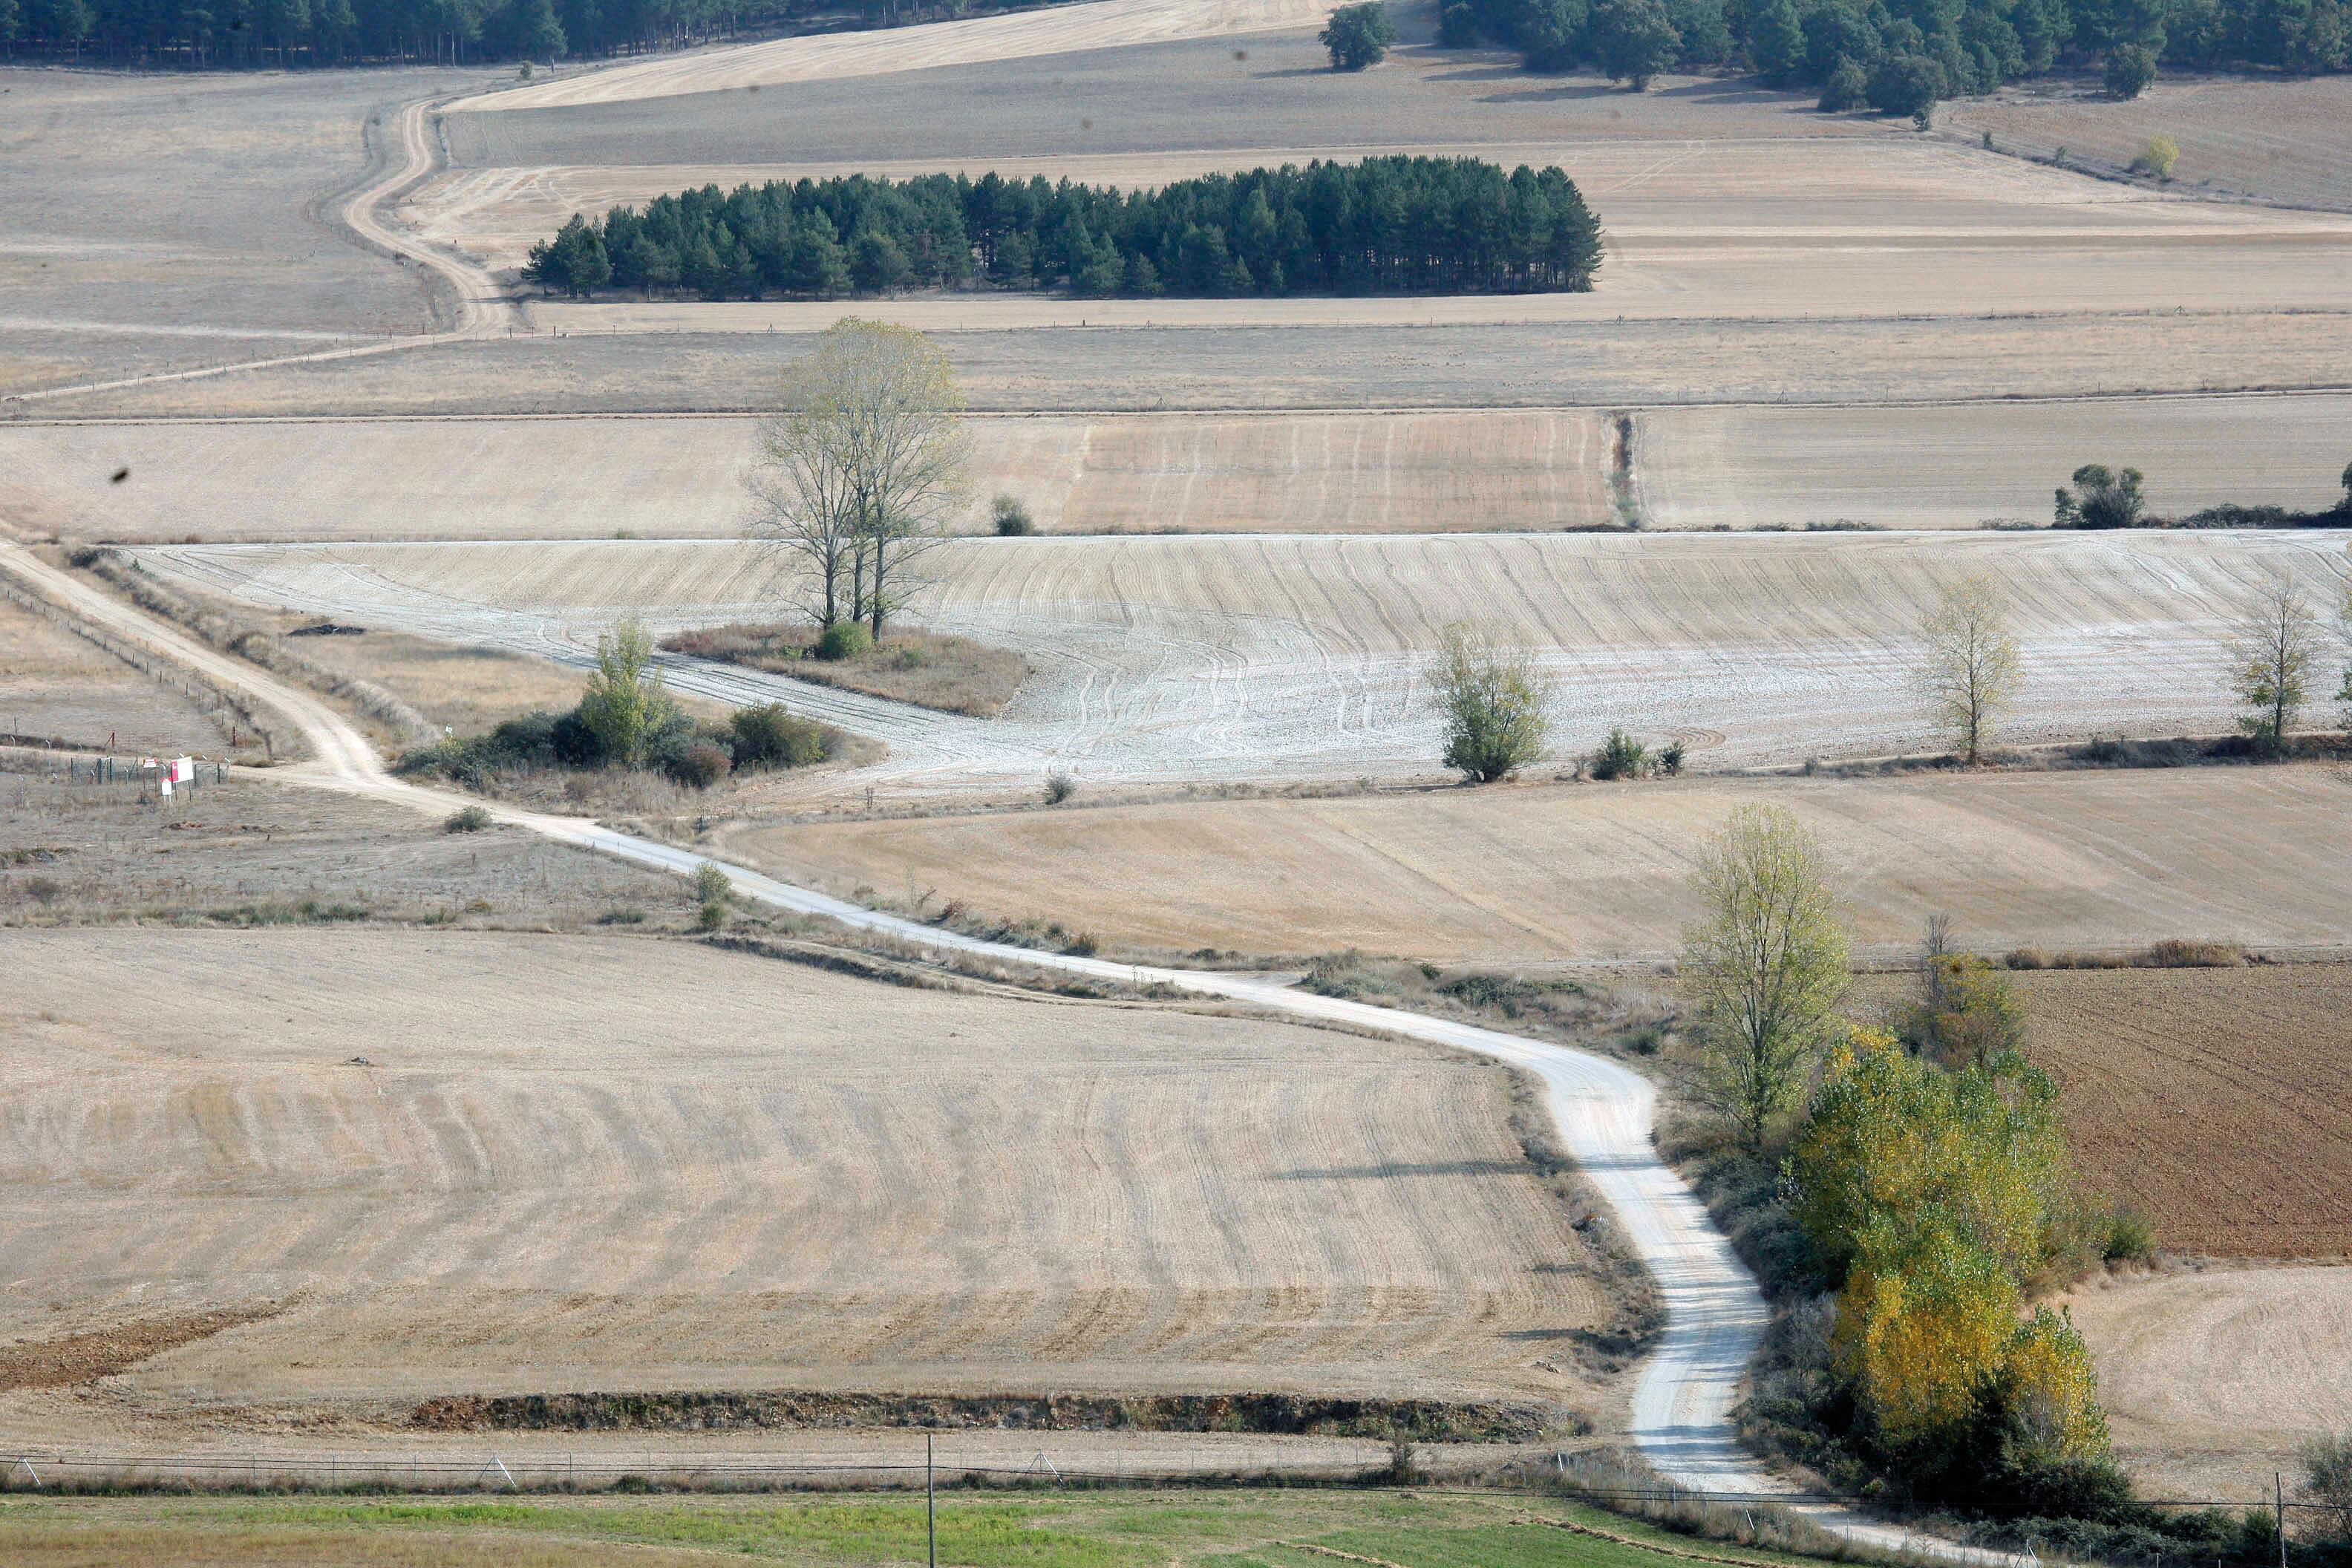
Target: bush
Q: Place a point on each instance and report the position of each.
(2129, 70)
(711, 918)
(1670, 761)
(1012, 518)
(2102, 498)
(2130, 1238)
(468, 819)
(710, 884)
(2158, 157)
(1059, 787)
(1620, 757)
(1968, 1015)
(1907, 84)
(770, 737)
(844, 639)
(1457, 25)
(1358, 36)
(699, 764)
(2180, 953)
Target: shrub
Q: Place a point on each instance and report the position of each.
(468, 819)
(1670, 761)
(699, 764)
(710, 884)
(2130, 68)
(770, 737)
(1847, 89)
(2027, 958)
(1059, 787)
(1908, 85)
(1012, 518)
(2181, 952)
(842, 640)
(2158, 157)
(1620, 757)
(1457, 25)
(2102, 498)
(711, 918)
(1968, 1015)
(1493, 703)
(1358, 36)
(2130, 1238)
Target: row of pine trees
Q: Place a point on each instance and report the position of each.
(1395, 224)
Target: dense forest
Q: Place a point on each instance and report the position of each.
(231, 33)
(1399, 224)
(1902, 55)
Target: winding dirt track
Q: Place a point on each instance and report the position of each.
(1716, 1315)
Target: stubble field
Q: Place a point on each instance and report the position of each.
(481, 1163)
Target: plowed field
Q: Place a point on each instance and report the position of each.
(2217, 1102)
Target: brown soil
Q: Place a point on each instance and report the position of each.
(78, 1358)
(2216, 1101)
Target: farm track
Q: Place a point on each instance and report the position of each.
(1716, 1315)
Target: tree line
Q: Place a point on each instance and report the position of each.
(1903, 56)
(1393, 225)
(201, 34)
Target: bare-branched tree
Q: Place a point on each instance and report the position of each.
(1969, 669)
(861, 467)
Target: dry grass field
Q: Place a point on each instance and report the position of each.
(2274, 140)
(1192, 659)
(2218, 1102)
(56, 686)
(1559, 873)
(624, 1163)
(2212, 1380)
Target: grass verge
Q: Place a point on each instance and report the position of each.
(929, 670)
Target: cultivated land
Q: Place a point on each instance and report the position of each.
(2213, 1379)
(1100, 1530)
(622, 1163)
(2100, 860)
(2218, 1102)
(55, 686)
(1266, 658)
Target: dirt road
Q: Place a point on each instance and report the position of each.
(1716, 1315)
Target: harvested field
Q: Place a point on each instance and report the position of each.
(2102, 861)
(2211, 1380)
(1957, 466)
(1537, 365)
(1053, 31)
(624, 1165)
(928, 670)
(2270, 139)
(465, 689)
(2218, 1102)
(256, 851)
(683, 478)
(1209, 659)
(56, 686)
(191, 231)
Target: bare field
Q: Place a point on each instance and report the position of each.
(1055, 30)
(615, 1164)
(2216, 1101)
(1096, 369)
(2212, 1380)
(1959, 464)
(1257, 657)
(164, 221)
(1590, 872)
(2273, 139)
(55, 686)
(682, 477)
(1940, 465)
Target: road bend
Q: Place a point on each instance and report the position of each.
(1716, 1315)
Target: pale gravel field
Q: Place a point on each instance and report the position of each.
(2213, 1379)
(622, 1163)
(1207, 659)
(1589, 872)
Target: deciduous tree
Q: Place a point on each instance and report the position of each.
(2276, 644)
(1969, 669)
(1493, 703)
